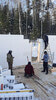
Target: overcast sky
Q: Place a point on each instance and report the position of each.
(23, 2)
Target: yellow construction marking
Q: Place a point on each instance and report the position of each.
(16, 91)
(26, 91)
(8, 92)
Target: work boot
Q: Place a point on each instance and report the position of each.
(46, 73)
(43, 71)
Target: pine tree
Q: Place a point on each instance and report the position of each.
(4, 19)
(1, 20)
(28, 19)
(36, 21)
(47, 24)
(16, 22)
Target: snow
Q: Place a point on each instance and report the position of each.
(54, 73)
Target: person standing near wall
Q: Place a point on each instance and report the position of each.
(45, 62)
(10, 60)
(45, 38)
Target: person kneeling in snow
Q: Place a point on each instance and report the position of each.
(29, 71)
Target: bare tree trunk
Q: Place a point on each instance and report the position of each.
(20, 19)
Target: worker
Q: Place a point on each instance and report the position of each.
(29, 71)
(10, 60)
(45, 38)
(45, 62)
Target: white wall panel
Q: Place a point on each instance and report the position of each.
(52, 44)
(21, 48)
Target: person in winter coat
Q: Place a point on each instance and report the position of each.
(10, 60)
(29, 71)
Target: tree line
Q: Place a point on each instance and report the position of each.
(29, 21)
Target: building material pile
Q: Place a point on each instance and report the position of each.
(10, 89)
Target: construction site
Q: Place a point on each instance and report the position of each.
(27, 49)
(41, 86)
(44, 85)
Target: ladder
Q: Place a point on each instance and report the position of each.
(49, 53)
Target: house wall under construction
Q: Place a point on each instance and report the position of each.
(21, 48)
